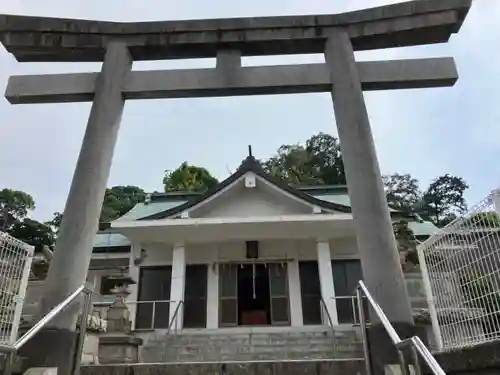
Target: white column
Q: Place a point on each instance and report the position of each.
(213, 296)
(133, 272)
(178, 283)
(294, 294)
(326, 278)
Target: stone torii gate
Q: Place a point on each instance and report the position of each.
(117, 45)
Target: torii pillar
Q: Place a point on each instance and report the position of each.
(118, 44)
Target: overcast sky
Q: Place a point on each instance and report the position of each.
(423, 132)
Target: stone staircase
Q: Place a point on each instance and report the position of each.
(254, 346)
(315, 351)
(316, 367)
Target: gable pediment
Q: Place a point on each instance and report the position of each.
(274, 193)
(251, 196)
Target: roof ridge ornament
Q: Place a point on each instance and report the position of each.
(250, 162)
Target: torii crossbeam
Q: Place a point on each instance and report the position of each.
(337, 36)
(259, 80)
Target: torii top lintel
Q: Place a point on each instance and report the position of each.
(403, 24)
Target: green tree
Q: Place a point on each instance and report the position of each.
(440, 203)
(33, 233)
(487, 219)
(402, 191)
(325, 157)
(444, 200)
(406, 242)
(189, 178)
(55, 222)
(292, 164)
(14, 205)
(318, 162)
(481, 293)
(118, 200)
(14, 208)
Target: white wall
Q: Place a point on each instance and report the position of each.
(344, 248)
(161, 254)
(214, 253)
(156, 254)
(236, 251)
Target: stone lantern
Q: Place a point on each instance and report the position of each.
(118, 344)
(118, 315)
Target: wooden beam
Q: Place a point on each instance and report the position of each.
(258, 80)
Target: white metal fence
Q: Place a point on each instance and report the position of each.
(15, 264)
(461, 270)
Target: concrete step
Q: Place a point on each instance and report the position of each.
(259, 336)
(260, 342)
(302, 367)
(248, 357)
(173, 357)
(251, 347)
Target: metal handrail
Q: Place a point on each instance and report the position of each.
(381, 315)
(48, 318)
(353, 303)
(174, 317)
(427, 355)
(324, 308)
(418, 347)
(154, 304)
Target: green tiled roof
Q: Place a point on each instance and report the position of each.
(163, 202)
(334, 198)
(110, 240)
(142, 209)
(343, 199)
(425, 228)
